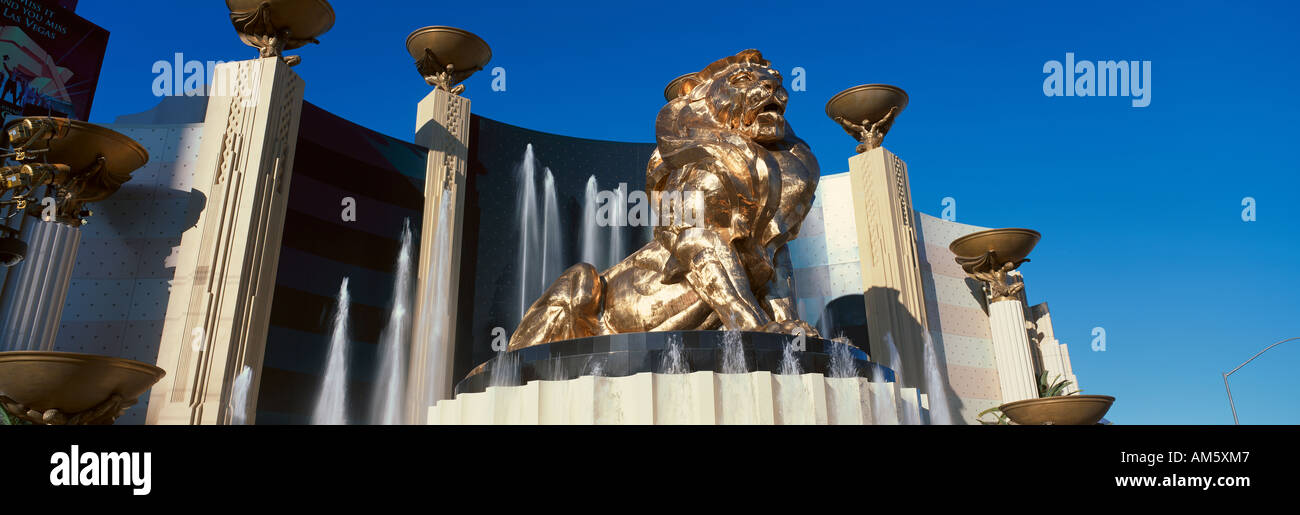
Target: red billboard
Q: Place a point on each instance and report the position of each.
(50, 59)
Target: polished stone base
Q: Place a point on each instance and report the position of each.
(622, 355)
(622, 379)
(699, 398)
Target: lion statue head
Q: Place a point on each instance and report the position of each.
(728, 123)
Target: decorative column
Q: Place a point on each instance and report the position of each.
(442, 127)
(886, 225)
(991, 257)
(891, 270)
(1011, 350)
(220, 304)
(444, 56)
(36, 290)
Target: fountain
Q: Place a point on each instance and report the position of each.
(390, 387)
(505, 370)
(940, 410)
(528, 228)
(883, 411)
(541, 246)
(733, 354)
(552, 241)
(673, 400)
(905, 398)
(673, 360)
(618, 210)
(435, 312)
(591, 233)
(331, 406)
(842, 362)
(791, 394)
(239, 397)
(734, 382)
(843, 388)
(790, 361)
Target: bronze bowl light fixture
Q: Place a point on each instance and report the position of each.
(1069, 410)
(60, 388)
(990, 256)
(446, 56)
(74, 163)
(867, 112)
(1007, 245)
(273, 26)
(77, 161)
(677, 87)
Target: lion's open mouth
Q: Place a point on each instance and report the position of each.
(771, 107)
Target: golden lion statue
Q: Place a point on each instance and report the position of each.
(719, 258)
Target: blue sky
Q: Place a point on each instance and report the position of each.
(1140, 207)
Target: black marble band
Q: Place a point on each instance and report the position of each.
(623, 355)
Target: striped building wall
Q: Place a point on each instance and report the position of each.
(827, 269)
(959, 323)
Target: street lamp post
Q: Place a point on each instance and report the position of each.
(1231, 404)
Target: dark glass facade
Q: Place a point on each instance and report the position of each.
(337, 159)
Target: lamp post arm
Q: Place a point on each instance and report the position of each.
(1232, 404)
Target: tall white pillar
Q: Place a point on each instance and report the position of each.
(220, 305)
(442, 126)
(890, 262)
(1015, 364)
(36, 290)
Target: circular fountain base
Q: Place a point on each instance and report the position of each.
(622, 355)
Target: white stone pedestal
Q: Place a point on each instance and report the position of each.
(36, 290)
(442, 125)
(220, 304)
(890, 263)
(699, 398)
(1011, 350)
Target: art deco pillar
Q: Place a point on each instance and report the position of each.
(35, 291)
(442, 126)
(220, 303)
(991, 258)
(444, 56)
(891, 271)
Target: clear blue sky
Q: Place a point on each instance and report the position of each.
(1140, 207)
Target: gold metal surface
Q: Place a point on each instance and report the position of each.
(273, 26)
(1072, 410)
(63, 388)
(867, 112)
(724, 143)
(86, 162)
(677, 87)
(446, 56)
(990, 255)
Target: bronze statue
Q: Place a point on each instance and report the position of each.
(724, 142)
(868, 132)
(274, 26)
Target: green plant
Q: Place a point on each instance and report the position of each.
(1002, 419)
(1055, 387)
(7, 420)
